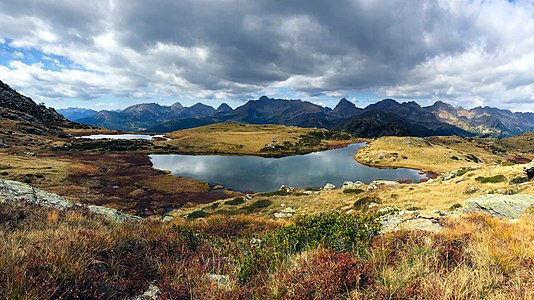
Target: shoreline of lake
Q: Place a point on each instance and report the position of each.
(240, 173)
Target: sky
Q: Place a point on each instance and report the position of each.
(109, 54)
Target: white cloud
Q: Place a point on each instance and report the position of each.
(467, 53)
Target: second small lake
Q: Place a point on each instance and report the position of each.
(260, 174)
(121, 137)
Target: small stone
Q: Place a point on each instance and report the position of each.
(218, 187)
(329, 186)
(152, 293)
(287, 189)
(372, 204)
(115, 187)
(289, 210)
(222, 281)
(280, 215)
(167, 219)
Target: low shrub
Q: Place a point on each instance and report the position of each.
(335, 231)
(235, 201)
(455, 206)
(274, 193)
(326, 275)
(258, 204)
(473, 158)
(197, 214)
(518, 180)
(492, 179)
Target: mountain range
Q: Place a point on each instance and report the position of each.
(386, 117)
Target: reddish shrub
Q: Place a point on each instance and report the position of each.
(328, 275)
(451, 249)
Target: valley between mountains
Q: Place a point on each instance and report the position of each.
(92, 218)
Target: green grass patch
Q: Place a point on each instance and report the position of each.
(520, 179)
(263, 203)
(492, 179)
(235, 201)
(197, 214)
(274, 193)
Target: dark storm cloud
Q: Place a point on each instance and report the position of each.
(469, 51)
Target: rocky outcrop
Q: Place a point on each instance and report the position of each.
(502, 206)
(285, 213)
(328, 187)
(378, 183)
(10, 99)
(352, 185)
(394, 220)
(14, 191)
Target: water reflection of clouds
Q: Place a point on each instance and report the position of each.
(250, 173)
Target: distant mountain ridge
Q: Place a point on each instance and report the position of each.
(139, 117)
(76, 113)
(388, 115)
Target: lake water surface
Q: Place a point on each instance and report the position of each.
(260, 174)
(121, 137)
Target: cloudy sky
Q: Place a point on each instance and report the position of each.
(108, 54)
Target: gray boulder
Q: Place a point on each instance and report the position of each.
(329, 186)
(352, 185)
(14, 191)
(378, 183)
(502, 206)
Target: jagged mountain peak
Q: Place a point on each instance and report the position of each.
(224, 108)
(346, 108)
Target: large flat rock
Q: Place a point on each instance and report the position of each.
(502, 206)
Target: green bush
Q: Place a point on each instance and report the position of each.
(235, 201)
(258, 204)
(455, 206)
(473, 158)
(519, 180)
(492, 179)
(353, 191)
(197, 214)
(274, 193)
(334, 231)
(454, 157)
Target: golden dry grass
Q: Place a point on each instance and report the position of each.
(436, 154)
(236, 138)
(20, 167)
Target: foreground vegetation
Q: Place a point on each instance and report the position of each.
(50, 254)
